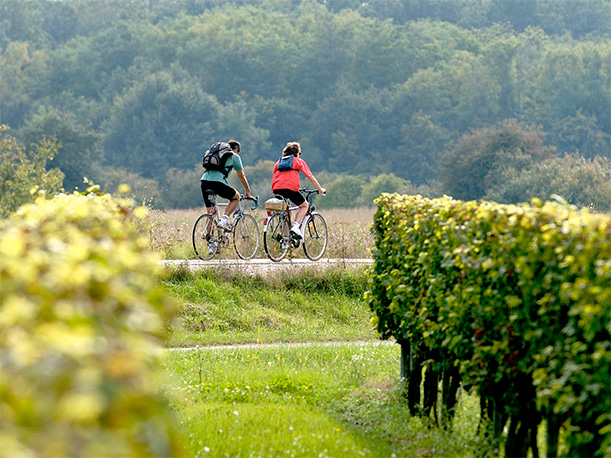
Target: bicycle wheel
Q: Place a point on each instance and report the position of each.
(246, 236)
(314, 236)
(205, 241)
(275, 243)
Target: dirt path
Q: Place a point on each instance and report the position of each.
(265, 265)
(362, 343)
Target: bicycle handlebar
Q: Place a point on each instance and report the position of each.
(255, 201)
(311, 191)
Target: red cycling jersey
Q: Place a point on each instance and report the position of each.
(290, 178)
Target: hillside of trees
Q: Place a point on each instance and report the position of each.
(473, 98)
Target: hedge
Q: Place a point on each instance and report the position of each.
(80, 318)
(511, 301)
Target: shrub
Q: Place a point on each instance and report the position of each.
(343, 191)
(183, 189)
(515, 300)
(389, 183)
(81, 318)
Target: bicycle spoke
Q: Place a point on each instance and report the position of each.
(246, 236)
(274, 241)
(315, 236)
(204, 238)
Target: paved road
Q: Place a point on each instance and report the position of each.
(265, 265)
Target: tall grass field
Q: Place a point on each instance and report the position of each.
(349, 236)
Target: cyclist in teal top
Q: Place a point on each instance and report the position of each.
(215, 183)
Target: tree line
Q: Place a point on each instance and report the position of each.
(382, 95)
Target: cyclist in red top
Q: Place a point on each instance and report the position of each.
(286, 183)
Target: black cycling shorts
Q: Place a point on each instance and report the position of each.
(216, 188)
(295, 196)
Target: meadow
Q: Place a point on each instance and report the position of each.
(349, 236)
(291, 366)
(217, 306)
(314, 400)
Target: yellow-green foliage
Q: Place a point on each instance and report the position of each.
(80, 318)
(518, 297)
(23, 174)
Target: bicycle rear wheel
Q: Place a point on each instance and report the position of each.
(275, 243)
(246, 236)
(315, 236)
(205, 242)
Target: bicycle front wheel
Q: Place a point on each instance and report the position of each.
(205, 241)
(315, 236)
(274, 241)
(246, 236)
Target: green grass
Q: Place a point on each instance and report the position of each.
(304, 375)
(306, 401)
(220, 307)
(289, 365)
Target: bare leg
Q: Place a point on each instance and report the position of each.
(303, 209)
(209, 210)
(232, 204)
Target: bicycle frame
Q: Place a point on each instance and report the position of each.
(210, 238)
(286, 215)
(278, 240)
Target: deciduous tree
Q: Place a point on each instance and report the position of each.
(473, 166)
(77, 152)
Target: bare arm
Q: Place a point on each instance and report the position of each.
(314, 181)
(244, 181)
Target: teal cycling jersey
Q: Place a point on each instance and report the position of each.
(234, 162)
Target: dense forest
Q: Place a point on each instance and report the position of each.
(496, 99)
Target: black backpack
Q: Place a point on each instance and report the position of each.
(286, 163)
(216, 157)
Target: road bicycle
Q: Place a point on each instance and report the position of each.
(210, 239)
(277, 238)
